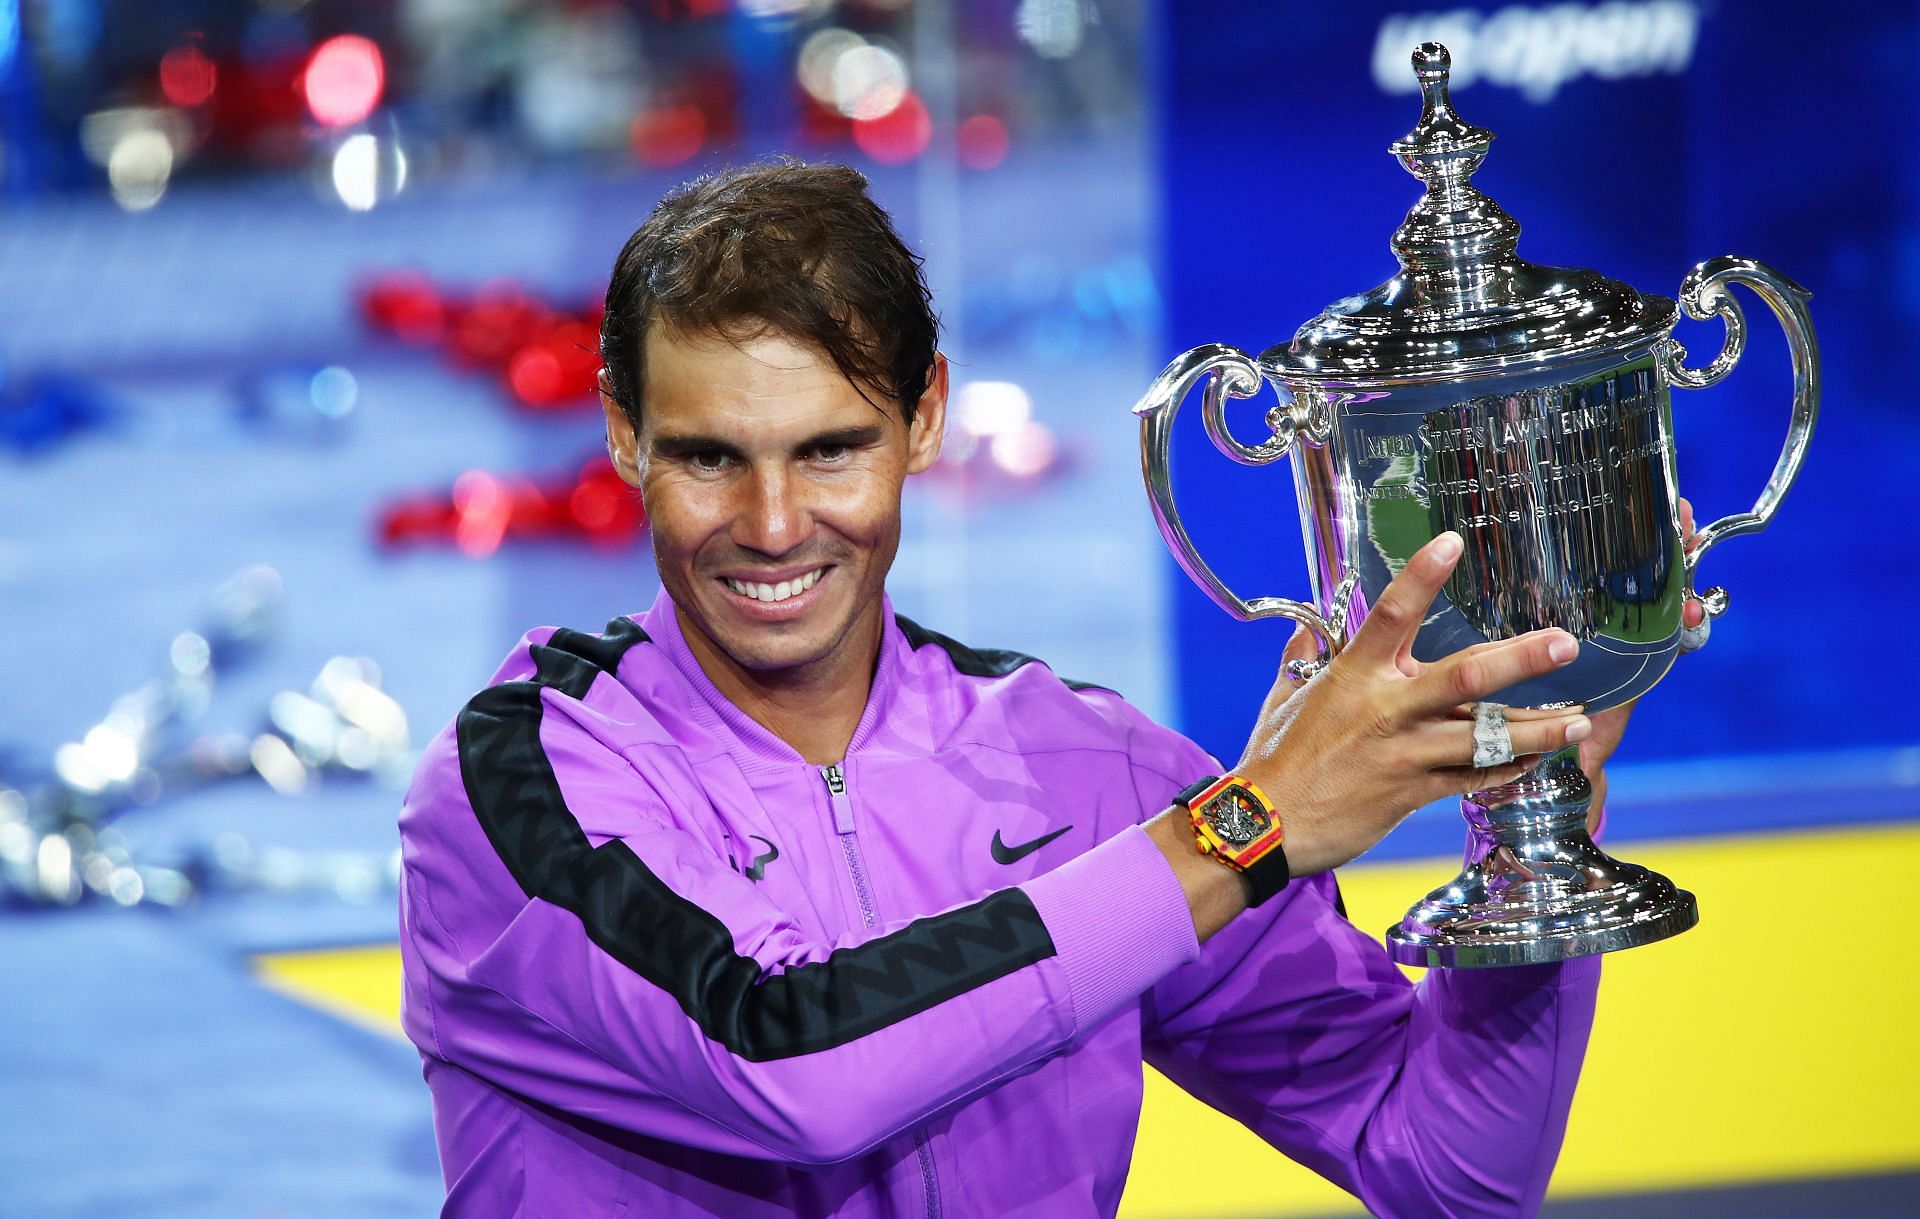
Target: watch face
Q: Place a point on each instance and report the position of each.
(1235, 816)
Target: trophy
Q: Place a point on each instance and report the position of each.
(1526, 408)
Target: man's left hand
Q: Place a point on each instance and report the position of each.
(1608, 725)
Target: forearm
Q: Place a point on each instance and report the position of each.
(816, 1056)
(1444, 1099)
(1474, 1123)
(1214, 893)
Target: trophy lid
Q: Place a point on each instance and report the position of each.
(1464, 303)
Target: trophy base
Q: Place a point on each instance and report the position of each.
(1535, 888)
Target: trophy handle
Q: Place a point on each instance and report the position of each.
(1704, 294)
(1229, 372)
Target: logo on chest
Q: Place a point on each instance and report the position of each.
(1004, 854)
(758, 868)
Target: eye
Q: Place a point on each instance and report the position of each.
(831, 453)
(708, 461)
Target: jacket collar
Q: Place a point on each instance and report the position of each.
(743, 735)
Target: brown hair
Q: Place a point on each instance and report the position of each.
(799, 249)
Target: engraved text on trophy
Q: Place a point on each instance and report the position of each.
(1562, 496)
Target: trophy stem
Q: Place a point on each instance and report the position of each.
(1534, 887)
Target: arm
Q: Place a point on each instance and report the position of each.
(1377, 733)
(632, 979)
(1449, 1097)
(1445, 1098)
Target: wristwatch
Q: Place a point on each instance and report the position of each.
(1234, 822)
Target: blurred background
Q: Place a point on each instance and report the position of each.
(297, 307)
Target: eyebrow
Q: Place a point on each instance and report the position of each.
(686, 445)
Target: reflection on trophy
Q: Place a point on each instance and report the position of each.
(1527, 408)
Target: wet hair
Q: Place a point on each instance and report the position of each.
(779, 246)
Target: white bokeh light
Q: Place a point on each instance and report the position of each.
(992, 408)
(818, 54)
(1053, 28)
(365, 171)
(139, 167)
(869, 81)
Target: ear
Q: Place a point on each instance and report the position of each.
(929, 419)
(623, 446)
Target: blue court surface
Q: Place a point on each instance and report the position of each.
(238, 1057)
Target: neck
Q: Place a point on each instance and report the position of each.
(814, 707)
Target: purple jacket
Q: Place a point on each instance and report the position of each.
(657, 964)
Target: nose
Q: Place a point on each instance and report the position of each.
(771, 517)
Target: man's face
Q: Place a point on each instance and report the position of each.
(772, 489)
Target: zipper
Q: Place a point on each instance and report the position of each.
(849, 844)
(926, 1174)
(843, 827)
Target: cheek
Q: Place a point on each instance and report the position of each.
(868, 516)
(680, 518)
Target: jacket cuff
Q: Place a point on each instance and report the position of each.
(1119, 923)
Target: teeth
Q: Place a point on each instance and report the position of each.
(776, 592)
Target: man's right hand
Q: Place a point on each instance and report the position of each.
(1378, 733)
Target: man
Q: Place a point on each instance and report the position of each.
(767, 902)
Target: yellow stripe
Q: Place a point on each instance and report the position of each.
(1775, 1040)
(360, 985)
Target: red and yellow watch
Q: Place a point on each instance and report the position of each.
(1234, 822)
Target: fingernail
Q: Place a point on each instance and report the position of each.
(1447, 546)
(1579, 730)
(1563, 649)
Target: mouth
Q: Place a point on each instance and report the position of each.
(775, 592)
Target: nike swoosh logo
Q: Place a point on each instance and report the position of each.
(1002, 853)
(758, 868)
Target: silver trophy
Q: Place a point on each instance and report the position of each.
(1526, 407)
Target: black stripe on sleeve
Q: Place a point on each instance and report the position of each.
(978, 662)
(671, 942)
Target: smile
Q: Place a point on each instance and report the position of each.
(775, 592)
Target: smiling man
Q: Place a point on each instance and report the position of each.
(767, 901)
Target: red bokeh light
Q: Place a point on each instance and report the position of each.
(187, 76)
(406, 305)
(548, 358)
(668, 135)
(558, 368)
(344, 80)
(483, 511)
(982, 141)
(534, 373)
(604, 506)
(483, 507)
(687, 10)
(496, 325)
(899, 135)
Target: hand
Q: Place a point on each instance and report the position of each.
(1609, 725)
(1378, 733)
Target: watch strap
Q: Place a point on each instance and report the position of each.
(1267, 875)
(1187, 793)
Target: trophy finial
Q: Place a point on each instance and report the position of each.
(1431, 63)
(1454, 237)
(1441, 143)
